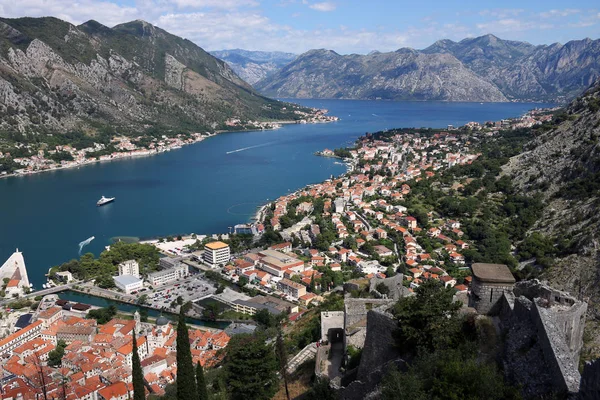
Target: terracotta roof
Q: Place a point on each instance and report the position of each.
(13, 283)
(18, 333)
(216, 245)
(460, 288)
(115, 390)
(49, 312)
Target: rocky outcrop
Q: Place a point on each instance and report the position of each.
(562, 164)
(55, 76)
(174, 72)
(476, 69)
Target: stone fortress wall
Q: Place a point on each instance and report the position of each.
(555, 321)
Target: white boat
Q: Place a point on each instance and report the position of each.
(104, 200)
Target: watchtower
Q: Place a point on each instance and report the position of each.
(490, 281)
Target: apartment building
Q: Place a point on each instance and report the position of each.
(216, 253)
(168, 275)
(291, 288)
(130, 267)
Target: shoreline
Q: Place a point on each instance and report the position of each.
(149, 152)
(87, 162)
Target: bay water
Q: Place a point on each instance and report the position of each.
(203, 188)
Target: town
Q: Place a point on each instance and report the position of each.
(352, 234)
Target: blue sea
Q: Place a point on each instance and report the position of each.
(203, 188)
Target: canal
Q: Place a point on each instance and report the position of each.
(130, 308)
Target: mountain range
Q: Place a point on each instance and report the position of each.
(55, 76)
(253, 66)
(485, 68)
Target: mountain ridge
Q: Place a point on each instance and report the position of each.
(58, 77)
(513, 68)
(401, 75)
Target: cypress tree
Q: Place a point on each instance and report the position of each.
(201, 383)
(137, 375)
(186, 381)
(283, 359)
(251, 368)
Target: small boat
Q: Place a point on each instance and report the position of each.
(105, 200)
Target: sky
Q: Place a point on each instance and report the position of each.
(345, 26)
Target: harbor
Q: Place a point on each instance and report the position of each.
(190, 189)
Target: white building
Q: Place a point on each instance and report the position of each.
(339, 204)
(216, 253)
(11, 342)
(370, 267)
(130, 267)
(14, 270)
(129, 283)
(168, 275)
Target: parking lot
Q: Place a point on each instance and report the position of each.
(190, 289)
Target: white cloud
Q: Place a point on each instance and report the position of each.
(559, 13)
(221, 4)
(324, 6)
(512, 25)
(501, 12)
(221, 24)
(253, 31)
(75, 12)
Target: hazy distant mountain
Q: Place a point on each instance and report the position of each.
(55, 76)
(402, 75)
(253, 66)
(485, 68)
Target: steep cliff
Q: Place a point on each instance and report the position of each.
(563, 165)
(55, 76)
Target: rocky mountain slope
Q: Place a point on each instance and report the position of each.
(402, 75)
(252, 66)
(562, 164)
(55, 76)
(476, 69)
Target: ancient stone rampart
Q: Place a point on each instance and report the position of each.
(331, 320)
(378, 356)
(559, 358)
(589, 389)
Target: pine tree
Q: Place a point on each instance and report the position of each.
(201, 383)
(186, 382)
(137, 375)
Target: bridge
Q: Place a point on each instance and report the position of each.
(52, 290)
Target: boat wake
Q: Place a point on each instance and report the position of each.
(248, 148)
(85, 243)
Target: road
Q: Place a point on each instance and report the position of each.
(55, 289)
(364, 220)
(43, 292)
